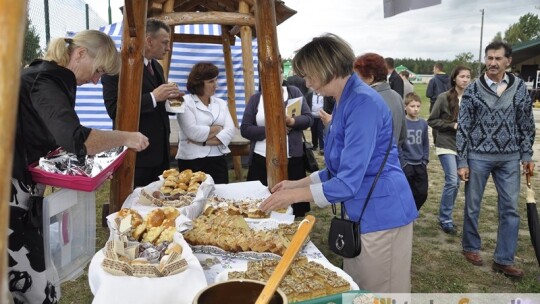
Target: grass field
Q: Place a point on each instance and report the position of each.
(437, 265)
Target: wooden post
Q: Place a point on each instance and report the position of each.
(12, 25)
(168, 7)
(246, 36)
(129, 94)
(227, 57)
(269, 64)
(231, 96)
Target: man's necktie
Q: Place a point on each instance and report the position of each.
(150, 69)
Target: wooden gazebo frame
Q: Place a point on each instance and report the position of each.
(237, 17)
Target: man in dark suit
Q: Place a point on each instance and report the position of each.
(395, 81)
(153, 120)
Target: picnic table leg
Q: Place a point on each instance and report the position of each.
(237, 165)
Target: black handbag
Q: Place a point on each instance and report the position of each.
(344, 234)
(310, 162)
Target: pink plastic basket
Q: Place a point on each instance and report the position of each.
(82, 183)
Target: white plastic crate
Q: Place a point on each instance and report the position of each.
(69, 222)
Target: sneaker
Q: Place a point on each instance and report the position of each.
(448, 228)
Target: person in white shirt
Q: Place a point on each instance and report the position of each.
(206, 126)
(315, 103)
(408, 86)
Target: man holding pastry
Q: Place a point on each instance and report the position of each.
(154, 120)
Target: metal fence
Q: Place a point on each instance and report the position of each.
(48, 19)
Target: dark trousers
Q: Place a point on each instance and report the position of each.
(215, 166)
(257, 171)
(146, 175)
(317, 133)
(417, 177)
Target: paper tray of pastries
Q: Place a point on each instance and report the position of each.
(144, 245)
(177, 286)
(242, 199)
(120, 259)
(306, 279)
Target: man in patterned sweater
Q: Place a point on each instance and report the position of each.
(495, 132)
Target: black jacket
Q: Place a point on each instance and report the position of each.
(396, 83)
(46, 117)
(153, 122)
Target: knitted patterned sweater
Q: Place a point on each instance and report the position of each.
(495, 128)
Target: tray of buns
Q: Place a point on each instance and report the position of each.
(306, 279)
(175, 189)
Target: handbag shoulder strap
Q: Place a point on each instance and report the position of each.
(343, 210)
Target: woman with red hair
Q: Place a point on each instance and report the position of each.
(372, 70)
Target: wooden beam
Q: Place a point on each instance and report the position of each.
(224, 18)
(12, 26)
(269, 68)
(246, 37)
(168, 6)
(129, 22)
(191, 38)
(129, 98)
(154, 8)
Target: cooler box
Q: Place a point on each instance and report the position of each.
(69, 231)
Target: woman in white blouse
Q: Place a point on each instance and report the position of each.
(206, 126)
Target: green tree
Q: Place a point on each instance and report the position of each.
(467, 59)
(498, 37)
(527, 28)
(32, 49)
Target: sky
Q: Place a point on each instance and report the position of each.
(438, 32)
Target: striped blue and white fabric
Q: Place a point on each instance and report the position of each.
(90, 106)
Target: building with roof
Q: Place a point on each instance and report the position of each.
(526, 59)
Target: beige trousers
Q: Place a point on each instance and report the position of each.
(384, 265)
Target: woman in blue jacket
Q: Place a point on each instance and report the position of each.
(357, 141)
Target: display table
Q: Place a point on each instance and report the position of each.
(203, 268)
